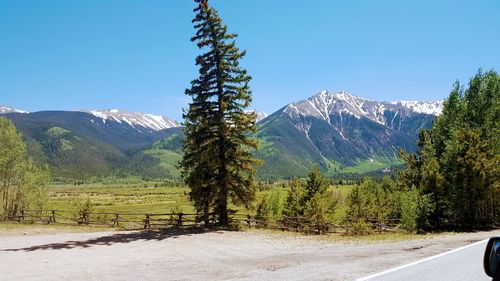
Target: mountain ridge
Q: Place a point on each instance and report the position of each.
(337, 131)
(6, 109)
(134, 119)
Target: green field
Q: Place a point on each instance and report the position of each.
(146, 198)
(133, 203)
(121, 198)
(132, 198)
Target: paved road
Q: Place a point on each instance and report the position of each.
(463, 264)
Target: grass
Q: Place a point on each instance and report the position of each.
(122, 198)
(366, 166)
(146, 198)
(152, 197)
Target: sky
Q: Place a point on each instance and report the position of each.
(137, 55)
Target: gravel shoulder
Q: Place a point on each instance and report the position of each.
(218, 255)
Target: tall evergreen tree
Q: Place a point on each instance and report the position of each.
(294, 204)
(218, 164)
(432, 183)
(316, 183)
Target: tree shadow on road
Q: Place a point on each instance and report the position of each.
(119, 238)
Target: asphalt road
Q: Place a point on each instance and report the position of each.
(460, 264)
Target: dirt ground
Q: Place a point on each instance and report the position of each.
(216, 255)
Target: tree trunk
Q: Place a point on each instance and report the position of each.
(222, 207)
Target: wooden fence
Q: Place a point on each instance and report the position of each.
(179, 220)
(301, 224)
(121, 220)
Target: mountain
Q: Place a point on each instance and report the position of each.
(136, 120)
(6, 109)
(259, 115)
(78, 145)
(339, 132)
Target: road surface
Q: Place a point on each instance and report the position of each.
(228, 255)
(463, 264)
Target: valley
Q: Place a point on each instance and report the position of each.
(341, 133)
(249, 140)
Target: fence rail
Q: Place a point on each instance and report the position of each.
(115, 219)
(301, 224)
(178, 220)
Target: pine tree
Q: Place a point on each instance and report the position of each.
(293, 203)
(357, 207)
(409, 177)
(447, 124)
(456, 166)
(472, 175)
(432, 183)
(315, 184)
(218, 164)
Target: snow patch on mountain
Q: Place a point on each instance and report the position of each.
(434, 107)
(134, 119)
(6, 109)
(324, 104)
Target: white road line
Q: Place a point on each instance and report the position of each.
(420, 261)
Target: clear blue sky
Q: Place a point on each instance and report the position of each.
(136, 55)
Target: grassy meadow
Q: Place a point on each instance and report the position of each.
(142, 198)
(153, 197)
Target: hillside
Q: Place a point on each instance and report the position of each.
(339, 132)
(79, 145)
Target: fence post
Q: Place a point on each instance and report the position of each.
(115, 223)
(22, 215)
(179, 221)
(53, 217)
(249, 221)
(147, 223)
(84, 218)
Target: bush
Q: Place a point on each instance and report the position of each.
(360, 227)
(263, 210)
(84, 209)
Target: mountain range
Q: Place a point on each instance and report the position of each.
(337, 131)
(340, 133)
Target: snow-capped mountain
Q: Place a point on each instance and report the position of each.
(333, 129)
(134, 119)
(433, 107)
(6, 109)
(259, 115)
(330, 129)
(324, 104)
